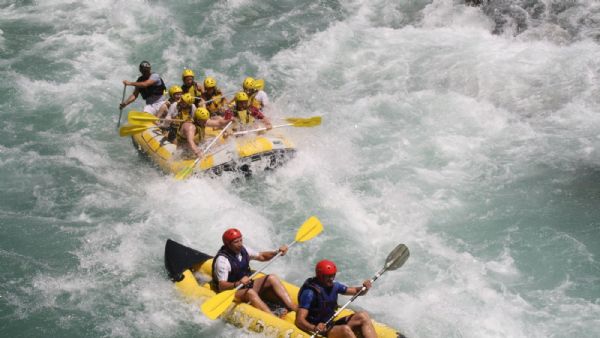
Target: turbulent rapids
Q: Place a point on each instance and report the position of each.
(466, 130)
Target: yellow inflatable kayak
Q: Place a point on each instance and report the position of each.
(180, 261)
(249, 153)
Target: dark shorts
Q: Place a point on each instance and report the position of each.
(341, 321)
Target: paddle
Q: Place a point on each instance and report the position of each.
(141, 116)
(294, 122)
(121, 109)
(305, 122)
(185, 172)
(215, 306)
(131, 129)
(394, 260)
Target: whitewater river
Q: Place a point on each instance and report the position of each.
(470, 134)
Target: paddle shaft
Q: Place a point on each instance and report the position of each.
(121, 109)
(261, 129)
(266, 265)
(355, 296)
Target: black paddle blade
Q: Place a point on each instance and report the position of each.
(397, 257)
(179, 258)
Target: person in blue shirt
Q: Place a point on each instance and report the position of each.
(317, 302)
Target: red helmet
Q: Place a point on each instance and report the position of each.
(325, 267)
(231, 234)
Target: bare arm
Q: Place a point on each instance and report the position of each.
(267, 123)
(130, 99)
(218, 122)
(162, 111)
(268, 255)
(189, 129)
(261, 116)
(141, 84)
(304, 324)
(225, 285)
(351, 291)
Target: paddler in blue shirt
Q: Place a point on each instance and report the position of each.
(231, 267)
(317, 303)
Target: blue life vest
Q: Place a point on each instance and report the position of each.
(239, 269)
(325, 303)
(155, 89)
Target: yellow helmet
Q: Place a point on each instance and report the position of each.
(210, 82)
(187, 72)
(202, 114)
(188, 98)
(175, 89)
(248, 83)
(241, 96)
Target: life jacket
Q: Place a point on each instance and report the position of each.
(254, 102)
(216, 101)
(239, 269)
(192, 90)
(184, 114)
(182, 138)
(155, 89)
(244, 117)
(324, 305)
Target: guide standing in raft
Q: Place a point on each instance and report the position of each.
(150, 85)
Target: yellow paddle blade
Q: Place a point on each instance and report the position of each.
(184, 173)
(187, 171)
(309, 229)
(215, 306)
(259, 84)
(140, 116)
(132, 129)
(304, 122)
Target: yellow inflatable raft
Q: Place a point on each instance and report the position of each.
(249, 153)
(181, 260)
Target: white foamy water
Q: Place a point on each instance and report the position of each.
(477, 150)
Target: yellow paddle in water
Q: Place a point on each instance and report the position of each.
(294, 122)
(185, 172)
(215, 306)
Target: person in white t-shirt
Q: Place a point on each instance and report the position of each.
(231, 268)
(258, 97)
